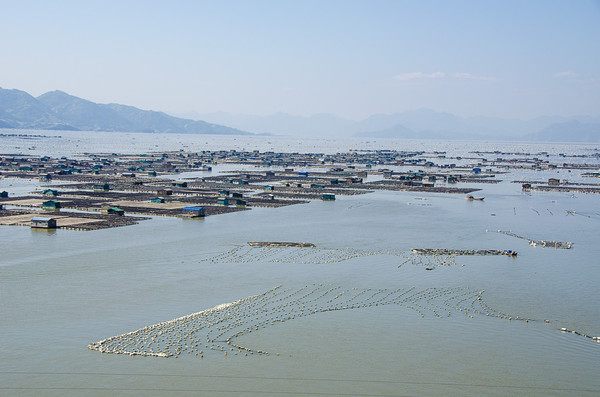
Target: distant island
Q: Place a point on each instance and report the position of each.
(417, 124)
(57, 110)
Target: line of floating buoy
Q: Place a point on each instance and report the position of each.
(570, 331)
(293, 255)
(446, 251)
(541, 243)
(217, 329)
(279, 244)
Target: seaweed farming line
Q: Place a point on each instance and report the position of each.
(541, 243)
(307, 254)
(433, 257)
(455, 252)
(216, 330)
(566, 330)
(430, 261)
(121, 345)
(279, 244)
(293, 254)
(573, 213)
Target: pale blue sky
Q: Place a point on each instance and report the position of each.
(514, 59)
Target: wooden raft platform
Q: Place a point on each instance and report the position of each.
(68, 220)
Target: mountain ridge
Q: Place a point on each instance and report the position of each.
(419, 123)
(56, 110)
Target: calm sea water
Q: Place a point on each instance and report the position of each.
(60, 291)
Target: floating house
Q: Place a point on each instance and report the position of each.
(115, 211)
(159, 200)
(240, 203)
(108, 210)
(164, 192)
(192, 212)
(102, 187)
(51, 205)
(179, 184)
(4, 194)
(328, 197)
(50, 192)
(223, 201)
(224, 193)
(237, 195)
(553, 182)
(39, 222)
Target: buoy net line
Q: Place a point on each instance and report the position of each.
(286, 254)
(218, 330)
(131, 342)
(540, 243)
(430, 261)
(456, 252)
(279, 244)
(293, 254)
(433, 257)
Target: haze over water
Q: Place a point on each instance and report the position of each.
(63, 290)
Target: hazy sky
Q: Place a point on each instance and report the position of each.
(517, 59)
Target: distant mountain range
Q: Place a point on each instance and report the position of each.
(57, 110)
(418, 124)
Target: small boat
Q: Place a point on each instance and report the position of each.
(471, 198)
